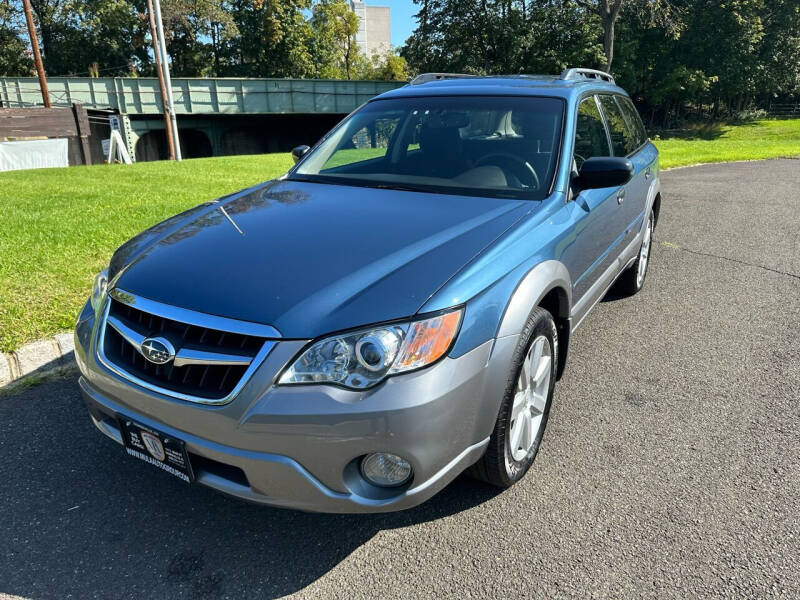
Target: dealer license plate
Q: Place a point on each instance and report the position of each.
(157, 449)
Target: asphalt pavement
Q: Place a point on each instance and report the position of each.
(670, 467)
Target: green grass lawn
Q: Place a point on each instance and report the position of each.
(60, 226)
(724, 143)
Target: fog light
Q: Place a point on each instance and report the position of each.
(385, 470)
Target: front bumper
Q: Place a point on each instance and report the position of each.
(299, 446)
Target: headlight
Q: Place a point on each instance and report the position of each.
(99, 289)
(364, 358)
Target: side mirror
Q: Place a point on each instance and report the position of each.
(299, 152)
(605, 171)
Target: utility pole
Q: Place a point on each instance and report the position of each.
(157, 54)
(167, 81)
(37, 57)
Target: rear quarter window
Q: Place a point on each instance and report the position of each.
(623, 136)
(634, 120)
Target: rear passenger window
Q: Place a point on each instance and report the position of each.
(590, 133)
(634, 120)
(623, 138)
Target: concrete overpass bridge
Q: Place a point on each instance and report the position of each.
(216, 117)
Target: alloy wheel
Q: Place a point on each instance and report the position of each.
(644, 253)
(530, 398)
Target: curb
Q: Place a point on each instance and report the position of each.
(39, 357)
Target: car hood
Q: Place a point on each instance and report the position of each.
(311, 258)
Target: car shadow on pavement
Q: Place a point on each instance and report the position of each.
(81, 519)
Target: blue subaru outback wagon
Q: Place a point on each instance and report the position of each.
(394, 310)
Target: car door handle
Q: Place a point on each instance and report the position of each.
(621, 197)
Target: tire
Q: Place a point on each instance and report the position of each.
(501, 465)
(631, 281)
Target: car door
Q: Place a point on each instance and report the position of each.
(627, 140)
(643, 155)
(598, 226)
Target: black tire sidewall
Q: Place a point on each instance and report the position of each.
(539, 323)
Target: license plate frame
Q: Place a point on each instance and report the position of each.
(156, 448)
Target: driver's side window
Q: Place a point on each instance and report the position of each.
(590, 133)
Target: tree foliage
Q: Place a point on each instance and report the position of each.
(274, 39)
(205, 38)
(678, 58)
(198, 33)
(335, 51)
(388, 67)
(15, 59)
(711, 59)
(74, 34)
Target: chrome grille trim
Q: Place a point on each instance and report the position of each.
(134, 338)
(185, 356)
(190, 356)
(188, 317)
(185, 315)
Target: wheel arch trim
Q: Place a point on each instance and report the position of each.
(532, 288)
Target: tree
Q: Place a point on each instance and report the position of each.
(779, 54)
(386, 67)
(334, 28)
(15, 58)
(723, 40)
(499, 36)
(558, 35)
(198, 32)
(274, 39)
(608, 11)
(391, 67)
(77, 33)
(466, 36)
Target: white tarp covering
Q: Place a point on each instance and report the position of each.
(33, 154)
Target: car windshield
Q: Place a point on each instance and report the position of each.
(498, 146)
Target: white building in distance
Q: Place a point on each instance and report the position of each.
(374, 34)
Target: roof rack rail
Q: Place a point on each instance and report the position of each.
(426, 77)
(587, 74)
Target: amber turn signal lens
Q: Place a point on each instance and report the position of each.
(427, 341)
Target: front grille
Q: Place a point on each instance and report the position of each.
(206, 381)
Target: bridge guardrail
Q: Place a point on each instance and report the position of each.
(141, 96)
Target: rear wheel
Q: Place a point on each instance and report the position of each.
(632, 279)
(526, 404)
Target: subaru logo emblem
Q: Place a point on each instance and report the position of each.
(157, 350)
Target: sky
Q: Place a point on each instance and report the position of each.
(402, 15)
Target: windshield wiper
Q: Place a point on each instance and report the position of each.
(393, 186)
(333, 180)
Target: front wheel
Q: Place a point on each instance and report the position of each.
(526, 404)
